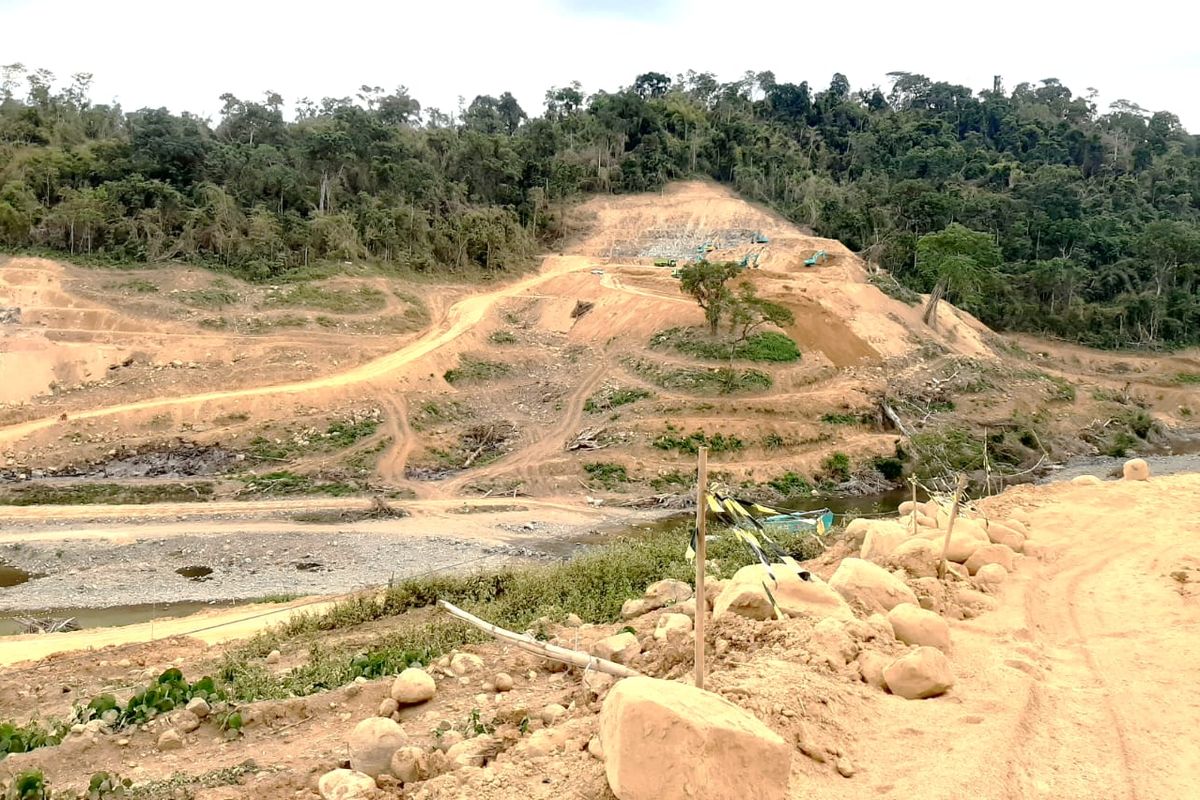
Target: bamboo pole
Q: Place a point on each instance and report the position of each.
(959, 486)
(552, 651)
(701, 548)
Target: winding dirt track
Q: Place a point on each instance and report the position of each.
(461, 317)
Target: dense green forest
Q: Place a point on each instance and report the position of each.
(1094, 217)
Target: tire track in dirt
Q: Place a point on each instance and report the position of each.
(460, 318)
(395, 458)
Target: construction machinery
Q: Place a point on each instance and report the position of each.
(816, 258)
(664, 262)
(760, 238)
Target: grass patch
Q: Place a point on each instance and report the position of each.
(215, 296)
(434, 412)
(136, 285)
(592, 585)
(769, 346)
(713, 380)
(836, 466)
(612, 397)
(1187, 378)
(339, 435)
(606, 474)
(83, 494)
(471, 369)
(286, 482)
(846, 418)
(502, 337)
(359, 300)
(691, 443)
(790, 484)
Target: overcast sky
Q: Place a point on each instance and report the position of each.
(184, 55)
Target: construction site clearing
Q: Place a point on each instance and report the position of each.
(300, 443)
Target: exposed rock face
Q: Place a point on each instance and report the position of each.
(870, 585)
(919, 673)
(704, 746)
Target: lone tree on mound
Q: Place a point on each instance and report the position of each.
(749, 312)
(957, 262)
(705, 281)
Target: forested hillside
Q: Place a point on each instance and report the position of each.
(1091, 220)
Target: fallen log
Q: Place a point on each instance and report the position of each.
(545, 649)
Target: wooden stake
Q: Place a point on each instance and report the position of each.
(913, 480)
(958, 491)
(701, 548)
(544, 649)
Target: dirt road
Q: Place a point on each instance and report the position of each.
(460, 318)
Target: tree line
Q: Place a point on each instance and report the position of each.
(1044, 213)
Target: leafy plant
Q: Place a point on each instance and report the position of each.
(692, 442)
(790, 484)
(836, 466)
(472, 369)
(614, 397)
(606, 474)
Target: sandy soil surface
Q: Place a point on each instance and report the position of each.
(1076, 685)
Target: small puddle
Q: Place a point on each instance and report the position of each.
(109, 617)
(11, 576)
(196, 573)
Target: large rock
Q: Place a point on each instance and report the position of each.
(831, 639)
(990, 577)
(474, 752)
(463, 664)
(1005, 534)
(635, 607)
(170, 739)
(372, 743)
(673, 626)
(746, 595)
(919, 673)
(1086, 480)
(668, 741)
(856, 530)
(410, 764)
(915, 625)
(918, 557)
(413, 686)
(620, 648)
(667, 592)
(882, 538)
(967, 536)
(1136, 469)
(870, 585)
(990, 554)
(345, 784)
(199, 706)
(871, 664)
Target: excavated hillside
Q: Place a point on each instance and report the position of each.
(415, 389)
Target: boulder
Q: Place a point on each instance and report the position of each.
(552, 713)
(665, 592)
(703, 745)
(1136, 469)
(918, 557)
(957, 570)
(883, 629)
(345, 784)
(973, 602)
(914, 625)
(387, 707)
(372, 743)
(882, 537)
(413, 686)
(273, 657)
(595, 685)
(635, 608)
(1021, 526)
(502, 682)
(990, 577)
(831, 639)
(410, 764)
(871, 665)
(170, 739)
(1086, 480)
(745, 595)
(186, 721)
(1005, 534)
(621, 648)
(673, 626)
(990, 554)
(199, 706)
(907, 507)
(926, 522)
(920, 673)
(870, 585)
(856, 530)
(474, 752)
(465, 663)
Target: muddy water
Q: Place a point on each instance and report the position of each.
(109, 617)
(11, 576)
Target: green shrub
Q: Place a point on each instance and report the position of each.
(769, 346)
(502, 337)
(846, 418)
(836, 466)
(286, 482)
(23, 738)
(1119, 444)
(359, 300)
(27, 785)
(106, 494)
(691, 443)
(614, 397)
(1188, 377)
(790, 484)
(606, 474)
(472, 369)
(715, 380)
